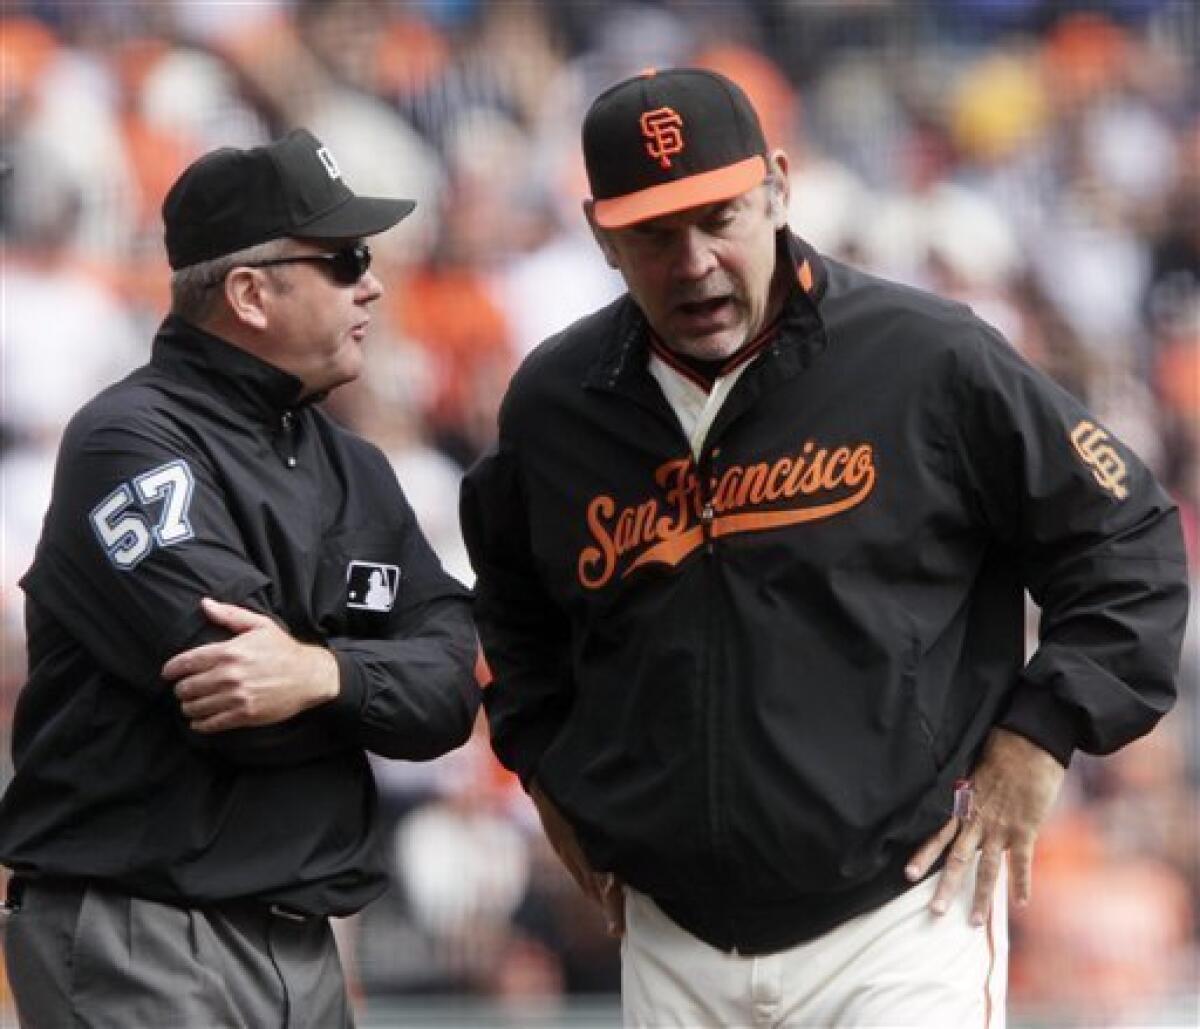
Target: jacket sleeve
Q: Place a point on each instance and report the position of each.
(524, 633)
(412, 694)
(137, 533)
(1100, 551)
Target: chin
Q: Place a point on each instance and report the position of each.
(344, 379)
(711, 348)
(335, 378)
(349, 368)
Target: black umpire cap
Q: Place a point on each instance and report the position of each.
(230, 199)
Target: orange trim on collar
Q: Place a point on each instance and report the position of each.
(668, 357)
(747, 352)
(804, 275)
(756, 346)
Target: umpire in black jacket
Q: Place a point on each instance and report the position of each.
(230, 605)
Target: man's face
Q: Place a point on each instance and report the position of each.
(316, 325)
(703, 276)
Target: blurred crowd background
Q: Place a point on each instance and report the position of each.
(1039, 160)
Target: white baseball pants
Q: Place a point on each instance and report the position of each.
(897, 966)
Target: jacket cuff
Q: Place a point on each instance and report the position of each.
(352, 690)
(1040, 717)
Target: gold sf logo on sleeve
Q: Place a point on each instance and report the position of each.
(1106, 465)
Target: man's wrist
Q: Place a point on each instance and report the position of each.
(324, 676)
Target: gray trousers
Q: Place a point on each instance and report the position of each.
(78, 956)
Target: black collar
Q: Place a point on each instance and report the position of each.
(250, 385)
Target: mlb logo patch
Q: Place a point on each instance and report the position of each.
(371, 586)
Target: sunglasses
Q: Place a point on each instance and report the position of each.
(345, 266)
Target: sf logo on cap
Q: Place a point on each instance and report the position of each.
(663, 129)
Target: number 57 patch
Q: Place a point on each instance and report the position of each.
(128, 536)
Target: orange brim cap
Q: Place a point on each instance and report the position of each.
(680, 194)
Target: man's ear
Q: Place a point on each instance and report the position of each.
(781, 188)
(600, 235)
(244, 289)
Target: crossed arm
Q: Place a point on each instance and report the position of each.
(259, 676)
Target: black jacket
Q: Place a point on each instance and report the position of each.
(751, 684)
(198, 475)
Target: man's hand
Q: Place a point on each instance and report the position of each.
(1015, 785)
(259, 677)
(603, 888)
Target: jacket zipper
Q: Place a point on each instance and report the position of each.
(706, 523)
(711, 697)
(287, 426)
(712, 692)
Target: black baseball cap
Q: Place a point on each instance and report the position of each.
(667, 140)
(230, 198)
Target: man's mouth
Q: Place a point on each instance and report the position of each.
(704, 308)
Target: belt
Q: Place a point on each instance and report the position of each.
(13, 897)
(290, 914)
(20, 882)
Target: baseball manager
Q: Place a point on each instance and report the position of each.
(751, 556)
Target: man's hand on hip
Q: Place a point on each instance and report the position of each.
(261, 676)
(1014, 786)
(605, 889)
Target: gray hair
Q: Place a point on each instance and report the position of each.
(775, 190)
(195, 289)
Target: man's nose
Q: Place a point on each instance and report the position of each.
(369, 288)
(693, 257)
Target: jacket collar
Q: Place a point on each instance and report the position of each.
(801, 338)
(248, 384)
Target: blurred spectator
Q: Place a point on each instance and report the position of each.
(61, 113)
(307, 72)
(827, 199)
(464, 867)
(1108, 938)
(999, 107)
(446, 304)
(207, 22)
(64, 334)
(386, 406)
(195, 94)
